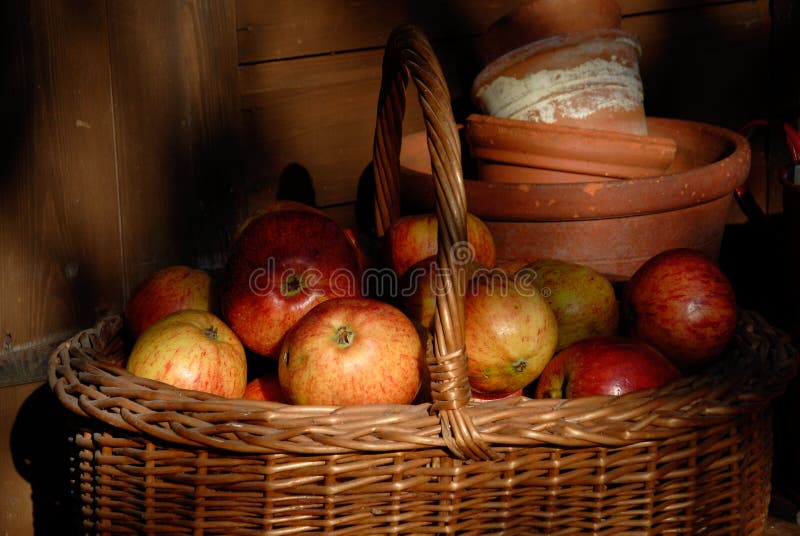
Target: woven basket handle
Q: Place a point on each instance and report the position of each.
(409, 55)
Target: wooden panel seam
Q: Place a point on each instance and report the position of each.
(283, 29)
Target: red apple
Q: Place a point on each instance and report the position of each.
(163, 292)
(604, 366)
(265, 387)
(582, 299)
(681, 303)
(287, 204)
(411, 239)
(510, 334)
(280, 204)
(191, 349)
(283, 264)
(351, 351)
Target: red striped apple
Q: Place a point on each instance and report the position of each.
(191, 349)
(681, 303)
(413, 238)
(351, 351)
(267, 387)
(163, 292)
(604, 366)
(287, 204)
(284, 263)
(280, 204)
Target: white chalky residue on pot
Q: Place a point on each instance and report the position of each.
(576, 93)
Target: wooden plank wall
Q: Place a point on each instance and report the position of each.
(122, 157)
(58, 184)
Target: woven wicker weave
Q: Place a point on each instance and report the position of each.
(689, 458)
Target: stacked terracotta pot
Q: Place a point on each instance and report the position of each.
(562, 98)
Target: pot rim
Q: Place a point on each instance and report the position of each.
(598, 200)
(532, 144)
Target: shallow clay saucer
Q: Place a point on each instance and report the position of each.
(512, 150)
(710, 163)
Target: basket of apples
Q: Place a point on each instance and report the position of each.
(445, 392)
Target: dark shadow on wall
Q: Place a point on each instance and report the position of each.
(44, 456)
(15, 104)
(295, 184)
(700, 63)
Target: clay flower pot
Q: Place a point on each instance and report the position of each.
(587, 79)
(539, 19)
(611, 226)
(510, 150)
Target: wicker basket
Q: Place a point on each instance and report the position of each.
(693, 457)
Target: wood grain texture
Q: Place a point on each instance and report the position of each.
(59, 233)
(176, 118)
(311, 119)
(122, 156)
(282, 29)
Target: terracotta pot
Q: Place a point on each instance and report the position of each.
(510, 150)
(612, 226)
(587, 79)
(539, 19)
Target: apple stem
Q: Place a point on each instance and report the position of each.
(292, 285)
(211, 332)
(344, 336)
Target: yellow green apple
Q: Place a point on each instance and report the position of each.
(582, 299)
(191, 349)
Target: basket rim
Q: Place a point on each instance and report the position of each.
(755, 370)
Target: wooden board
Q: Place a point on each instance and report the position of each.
(282, 29)
(59, 230)
(176, 118)
(317, 113)
(120, 153)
